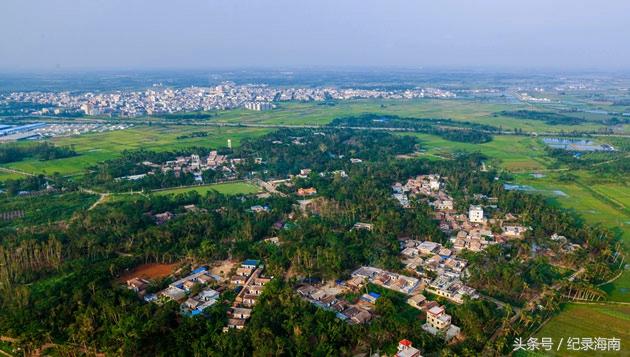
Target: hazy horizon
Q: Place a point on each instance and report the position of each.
(69, 35)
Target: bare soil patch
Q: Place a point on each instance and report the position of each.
(149, 271)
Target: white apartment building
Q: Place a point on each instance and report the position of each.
(475, 214)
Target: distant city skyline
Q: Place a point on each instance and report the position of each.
(159, 34)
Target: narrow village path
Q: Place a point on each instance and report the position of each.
(254, 275)
(100, 200)
(14, 171)
(613, 278)
(7, 339)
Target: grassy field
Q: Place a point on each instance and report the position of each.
(459, 109)
(235, 188)
(6, 175)
(514, 153)
(44, 209)
(98, 147)
(7, 348)
(595, 199)
(579, 320)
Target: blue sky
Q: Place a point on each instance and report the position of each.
(134, 34)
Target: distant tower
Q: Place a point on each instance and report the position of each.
(230, 143)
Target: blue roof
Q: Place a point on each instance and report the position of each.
(375, 295)
(199, 270)
(251, 262)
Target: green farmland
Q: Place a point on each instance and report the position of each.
(232, 188)
(8, 175)
(581, 320)
(463, 110)
(98, 147)
(514, 153)
(598, 201)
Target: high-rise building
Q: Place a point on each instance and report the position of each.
(258, 106)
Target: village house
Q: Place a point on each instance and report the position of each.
(173, 293)
(361, 225)
(439, 323)
(355, 283)
(443, 205)
(162, 218)
(513, 231)
(249, 300)
(398, 188)
(241, 313)
(238, 280)
(138, 285)
(402, 199)
(393, 281)
(238, 324)
(195, 305)
(259, 208)
(405, 349)
(303, 192)
(370, 297)
(242, 271)
(260, 281)
(250, 263)
(417, 301)
(428, 247)
(340, 173)
(357, 315)
(272, 240)
(451, 288)
(475, 214)
(304, 173)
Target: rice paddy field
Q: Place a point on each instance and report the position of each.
(598, 200)
(98, 147)
(458, 109)
(587, 320)
(232, 188)
(513, 153)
